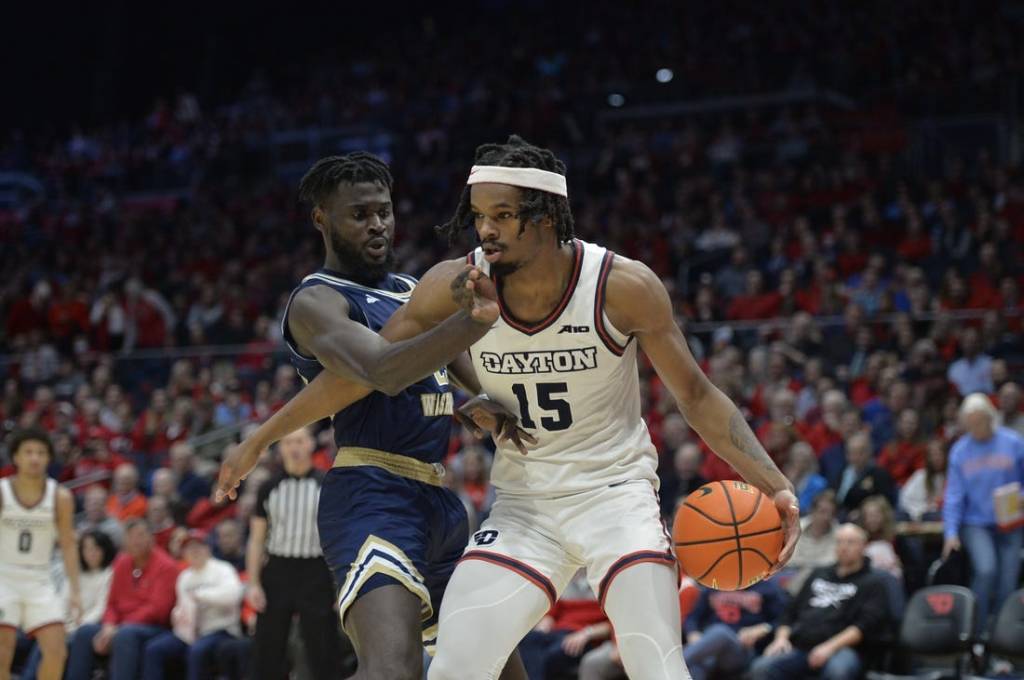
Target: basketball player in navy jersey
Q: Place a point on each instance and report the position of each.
(562, 357)
(390, 532)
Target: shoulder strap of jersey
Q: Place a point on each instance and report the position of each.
(614, 340)
(355, 313)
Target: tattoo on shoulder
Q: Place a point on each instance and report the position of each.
(743, 439)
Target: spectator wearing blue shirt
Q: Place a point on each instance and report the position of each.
(802, 470)
(984, 458)
(191, 487)
(972, 372)
(726, 629)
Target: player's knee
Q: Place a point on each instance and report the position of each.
(450, 665)
(396, 669)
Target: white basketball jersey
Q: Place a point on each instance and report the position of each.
(27, 535)
(572, 380)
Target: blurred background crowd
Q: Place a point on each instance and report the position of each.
(833, 196)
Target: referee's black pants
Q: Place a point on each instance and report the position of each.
(302, 586)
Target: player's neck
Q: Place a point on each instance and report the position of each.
(27, 482)
(28, 489)
(544, 276)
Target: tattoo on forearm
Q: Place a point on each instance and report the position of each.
(460, 294)
(743, 439)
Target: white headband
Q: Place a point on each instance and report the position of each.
(529, 178)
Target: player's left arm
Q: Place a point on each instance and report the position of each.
(638, 304)
(69, 549)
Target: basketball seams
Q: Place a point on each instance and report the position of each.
(706, 516)
(728, 538)
(757, 504)
(735, 526)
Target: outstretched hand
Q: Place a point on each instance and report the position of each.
(481, 416)
(236, 466)
(475, 292)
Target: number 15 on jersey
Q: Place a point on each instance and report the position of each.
(548, 401)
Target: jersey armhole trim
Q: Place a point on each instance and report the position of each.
(615, 347)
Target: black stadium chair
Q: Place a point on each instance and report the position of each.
(936, 633)
(1007, 637)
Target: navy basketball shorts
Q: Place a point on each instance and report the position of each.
(377, 528)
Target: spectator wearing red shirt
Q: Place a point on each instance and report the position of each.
(138, 609)
(825, 433)
(755, 303)
(97, 462)
(902, 456)
(916, 245)
(149, 435)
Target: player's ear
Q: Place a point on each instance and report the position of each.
(319, 217)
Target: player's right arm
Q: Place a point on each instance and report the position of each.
(437, 305)
(319, 323)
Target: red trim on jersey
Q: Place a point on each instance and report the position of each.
(526, 571)
(32, 633)
(534, 328)
(602, 280)
(628, 561)
(7, 625)
(469, 258)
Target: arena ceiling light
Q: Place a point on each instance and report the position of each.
(664, 75)
(616, 100)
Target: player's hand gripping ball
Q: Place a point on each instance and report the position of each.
(727, 535)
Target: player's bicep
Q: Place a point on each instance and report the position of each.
(319, 323)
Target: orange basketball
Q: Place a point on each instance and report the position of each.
(727, 535)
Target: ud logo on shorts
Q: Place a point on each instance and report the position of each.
(485, 537)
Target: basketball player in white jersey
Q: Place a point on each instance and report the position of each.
(563, 357)
(35, 513)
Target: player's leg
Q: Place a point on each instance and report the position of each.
(375, 531)
(385, 628)
(8, 639)
(486, 611)
(53, 646)
(642, 605)
(448, 542)
(618, 530)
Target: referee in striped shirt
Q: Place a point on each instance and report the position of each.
(286, 568)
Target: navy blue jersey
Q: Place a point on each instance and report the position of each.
(417, 421)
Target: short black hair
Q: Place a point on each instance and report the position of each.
(28, 434)
(327, 173)
(105, 544)
(535, 204)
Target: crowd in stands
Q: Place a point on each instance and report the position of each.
(847, 300)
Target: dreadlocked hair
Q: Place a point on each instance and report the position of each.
(327, 173)
(534, 204)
